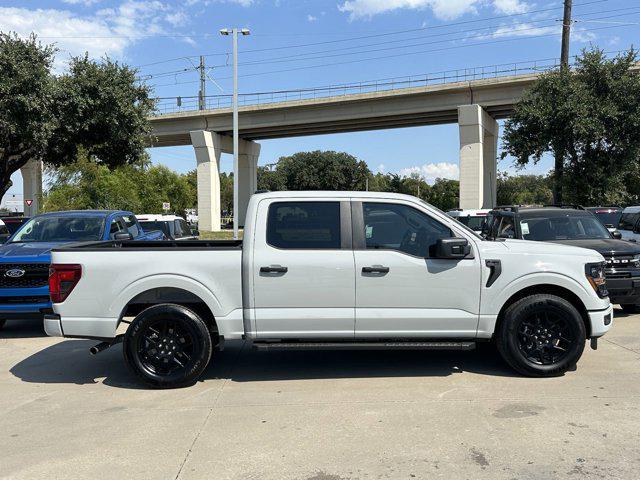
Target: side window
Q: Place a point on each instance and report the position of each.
(131, 225)
(628, 221)
(507, 228)
(402, 228)
(115, 227)
(304, 225)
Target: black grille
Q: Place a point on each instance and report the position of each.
(619, 266)
(14, 300)
(35, 275)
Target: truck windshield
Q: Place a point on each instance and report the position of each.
(53, 228)
(562, 227)
(608, 216)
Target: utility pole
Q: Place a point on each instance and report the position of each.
(203, 85)
(564, 66)
(234, 32)
(566, 34)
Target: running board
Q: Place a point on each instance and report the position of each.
(364, 345)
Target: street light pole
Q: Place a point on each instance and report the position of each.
(234, 32)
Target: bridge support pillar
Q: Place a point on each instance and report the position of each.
(32, 186)
(208, 147)
(248, 154)
(478, 152)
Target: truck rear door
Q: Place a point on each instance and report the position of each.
(303, 269)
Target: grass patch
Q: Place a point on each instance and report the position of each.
(222, 235)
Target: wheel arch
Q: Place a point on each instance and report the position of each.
(550, 289)
(170, 295)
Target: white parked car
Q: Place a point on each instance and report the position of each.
(629, 226)
(173, 226)
(332, 270)
(474, 219)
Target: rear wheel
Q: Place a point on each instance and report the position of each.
(167, 346)
(629, 308)
(541, 336)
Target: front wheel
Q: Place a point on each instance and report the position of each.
(2, 322)
(629, 308)
(541, 336)
(167, 346)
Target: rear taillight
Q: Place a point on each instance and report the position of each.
(63, 277)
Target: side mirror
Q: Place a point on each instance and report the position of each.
(195, 233)
(452, 248)
(616, 234)
(122, 236)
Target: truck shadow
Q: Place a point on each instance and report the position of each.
(69, 362)
(23, 329)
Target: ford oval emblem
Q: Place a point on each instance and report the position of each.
(14, 273)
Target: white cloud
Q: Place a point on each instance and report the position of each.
(381, 168)
(108, 31)
(442, 9)
(510, 7)
(86, 3)
(244, 3)
(431, 171)
(524, 30)
(177, 19)
(311, 18)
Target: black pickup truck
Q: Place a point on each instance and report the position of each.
(573, 225)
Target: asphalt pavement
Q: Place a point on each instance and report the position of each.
(318, 415)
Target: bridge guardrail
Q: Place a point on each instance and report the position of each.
(167, 105)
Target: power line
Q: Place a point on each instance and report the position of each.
(375, 35)
(393, 56)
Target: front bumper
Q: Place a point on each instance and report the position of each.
(624, 290)
(601, 321)
(53, 326)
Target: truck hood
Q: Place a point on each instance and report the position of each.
(605, 246)
(27, 251)
(545, 248)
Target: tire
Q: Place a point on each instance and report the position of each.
(629, 308)
(541, 336)
(2, 322)
(167, 346)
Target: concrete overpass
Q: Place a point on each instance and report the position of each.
(475, 105)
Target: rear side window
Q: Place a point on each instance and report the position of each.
(304, 225)
(628, 221)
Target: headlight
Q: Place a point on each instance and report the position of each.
(595, 275)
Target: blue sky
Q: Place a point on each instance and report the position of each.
(309, 43)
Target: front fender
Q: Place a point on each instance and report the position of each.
(495, 298)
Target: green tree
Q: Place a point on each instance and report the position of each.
(445, 194)
(140, 188)
(96, 109)
(589, 119)
(524, 189)
(322, 170)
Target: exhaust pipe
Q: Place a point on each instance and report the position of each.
(96, 349)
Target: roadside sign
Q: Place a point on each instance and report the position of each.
(166, 205)
(28, 202)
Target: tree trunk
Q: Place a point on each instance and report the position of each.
(557, 177)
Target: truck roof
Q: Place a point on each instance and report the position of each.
(288, 194)
(92, 213)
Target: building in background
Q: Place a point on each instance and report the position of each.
(14, 202)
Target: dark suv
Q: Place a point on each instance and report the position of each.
(573, 225)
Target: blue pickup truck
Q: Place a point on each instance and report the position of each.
(25, 257)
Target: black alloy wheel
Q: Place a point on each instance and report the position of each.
(541, 335)
(167, 346)
(545, 338)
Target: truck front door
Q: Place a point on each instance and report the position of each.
(401, 290)
(303, 270)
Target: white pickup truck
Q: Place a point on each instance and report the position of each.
(331, 270)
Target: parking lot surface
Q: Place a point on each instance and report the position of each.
(318, 415)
